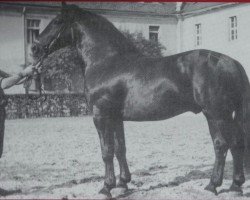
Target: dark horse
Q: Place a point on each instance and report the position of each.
(123, 85)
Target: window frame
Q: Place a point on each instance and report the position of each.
(198, 34)
(233, 28)
(153, 30)
(32, 30)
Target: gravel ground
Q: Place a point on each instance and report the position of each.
(60, 158)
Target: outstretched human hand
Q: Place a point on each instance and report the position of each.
(28, 71)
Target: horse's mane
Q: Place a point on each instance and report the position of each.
(106, 28)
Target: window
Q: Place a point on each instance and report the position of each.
(233, 35)
(153, 33)
(198, 34)
(32, 30)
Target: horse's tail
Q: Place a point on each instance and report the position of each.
(243, 115)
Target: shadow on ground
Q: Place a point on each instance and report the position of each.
(198, 172)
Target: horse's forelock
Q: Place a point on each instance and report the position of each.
(70, 10)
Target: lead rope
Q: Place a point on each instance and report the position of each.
(27, 82)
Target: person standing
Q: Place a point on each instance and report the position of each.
(7, 81)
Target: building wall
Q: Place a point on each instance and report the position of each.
(12, 44)
(215, 33)
(11, 40)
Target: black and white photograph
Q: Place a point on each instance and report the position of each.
(124, 100)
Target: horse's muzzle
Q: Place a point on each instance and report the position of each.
(37, 51)
(35, 48)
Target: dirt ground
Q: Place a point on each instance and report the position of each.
(59, 158)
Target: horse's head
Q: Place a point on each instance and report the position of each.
(58, 34)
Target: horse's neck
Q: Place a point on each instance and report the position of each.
(95, 53)
(97, 56)
(96, 48)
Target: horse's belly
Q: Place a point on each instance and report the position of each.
(146, 114)
(154, 102)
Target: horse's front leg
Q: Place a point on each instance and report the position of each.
(105, 127)
(120, 152)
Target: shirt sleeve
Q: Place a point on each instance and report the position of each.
(1, 79)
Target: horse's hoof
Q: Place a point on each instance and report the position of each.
(236, 188)
(104, 194)
(211, 188)
(118, 192)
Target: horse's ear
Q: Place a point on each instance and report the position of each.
(64, 4)
(64, 9)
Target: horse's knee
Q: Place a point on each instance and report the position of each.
(220, 146)
(120, 150)
(107, 156)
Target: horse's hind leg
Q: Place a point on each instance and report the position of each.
(105, 128)
(120, 152)
(237, 150)
(220, 133)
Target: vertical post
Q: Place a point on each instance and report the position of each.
(25, 34)
(25, 57)
(25, 42)
(179, 33)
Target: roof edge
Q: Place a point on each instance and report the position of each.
(208, 9)
(175, 14)
(100, 11)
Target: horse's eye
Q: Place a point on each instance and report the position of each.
(46, 48)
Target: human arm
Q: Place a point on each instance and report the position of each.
(15, 78)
